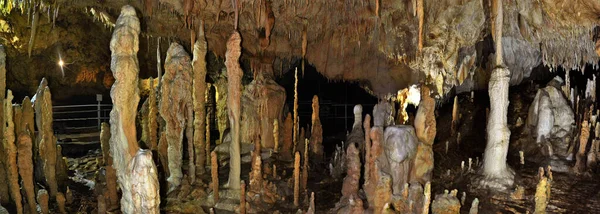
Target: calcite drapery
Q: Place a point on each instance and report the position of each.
(200, 47)
(234, 75)
(46, 141)
(128, 161)
(176, 108)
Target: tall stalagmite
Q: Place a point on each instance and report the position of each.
(234, 75)
(152, 120)
(176, 108)
(425, 128)
(25, 162)
(110, 173)
(45, 140)
(496, 173)
(316, 135)
(199, 92)
(288, 129)
(123, 142)
(10, 150)
(42, 199)
(296, 126)
(4, 193)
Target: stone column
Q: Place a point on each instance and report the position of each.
(234, 75)
(199, 92)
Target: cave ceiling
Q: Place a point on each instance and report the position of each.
(374, 42)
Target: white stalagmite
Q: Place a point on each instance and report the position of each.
(496, 173)
(136, 171)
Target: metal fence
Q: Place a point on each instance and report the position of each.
(80, 118)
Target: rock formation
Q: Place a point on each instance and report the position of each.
(446, 203)
(316, 135)
(221, 97)
(110, 173)
(350, 199)
(25, 163)
(357, 135)
(176, 108)
(199, 91)
(4, 190)
(152, 120)
(580, 164)
(234, 88)
(276, 135)
(296, 126)
(42, 199)
(214, 172)
(60, 201)
(425, 128)
(10, 150)
(288, 129)
(400, 146)
(127, 160)
(45, 140)
(297, 179)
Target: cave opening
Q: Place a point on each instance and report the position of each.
(337, 99)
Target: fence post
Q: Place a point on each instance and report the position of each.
(99, 99)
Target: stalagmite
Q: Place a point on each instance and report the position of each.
(496, 173)
(176, 108)
(311, 207)
(256, 177)
(583, 140)
(592, 156)
(425, 129)
(135, 169)
(304, 184)
(152, 117)
(45, 139)
(207, 144)
(234, 75)
(426, 198)
(316, 136)
(4, 190)
(60, 200)
(276, 135)
(288, 129)
(110, 173)
(352, 179)
(454, 116)
(367, 158)
(25, 163)
(474, 206)
(296, 126)
(42, 199)
(214, 172)
(199, 92)
(541, 193)
(10, 150)
(243, 198)
(297, 179)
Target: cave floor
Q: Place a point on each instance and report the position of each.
(570, 193)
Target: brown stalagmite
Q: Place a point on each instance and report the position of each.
(276, 135)
(45, 139)
(426, 198)
(296, 126)
(25, 163)
(541, 193)
(351, 181)
(305, 167)
(425, 128)
(4, 193)
(454, 126)
(152, 118)
(421, 15)
(27, 121)
(61, 168)
(207, 144)
(135, 168)
(199, 97)
(316, 135)
(297, 179)
(10, 150)
(243, 198)
(221, 97)
(42, 199)
(592, 156)
(214, 172)
(367, 128)
(60, 200)
(256, 177)
(234, 75)
(288, 129)
(110, 176)
(583, 139)
(176, 108)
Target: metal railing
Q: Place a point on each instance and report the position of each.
(80, 118)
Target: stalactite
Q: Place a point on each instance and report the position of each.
(214, 172)
(42, 199)
(297, 179)
(25, 165)
(176, 108)
(455, 118)
(135, 168)
(10, 151)
(34, 24)
(207, 144)
(200, 48)
(421, 15)
(583, 140)
(295, 129)
(158, 59)
(234, 75)
(45, 139)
